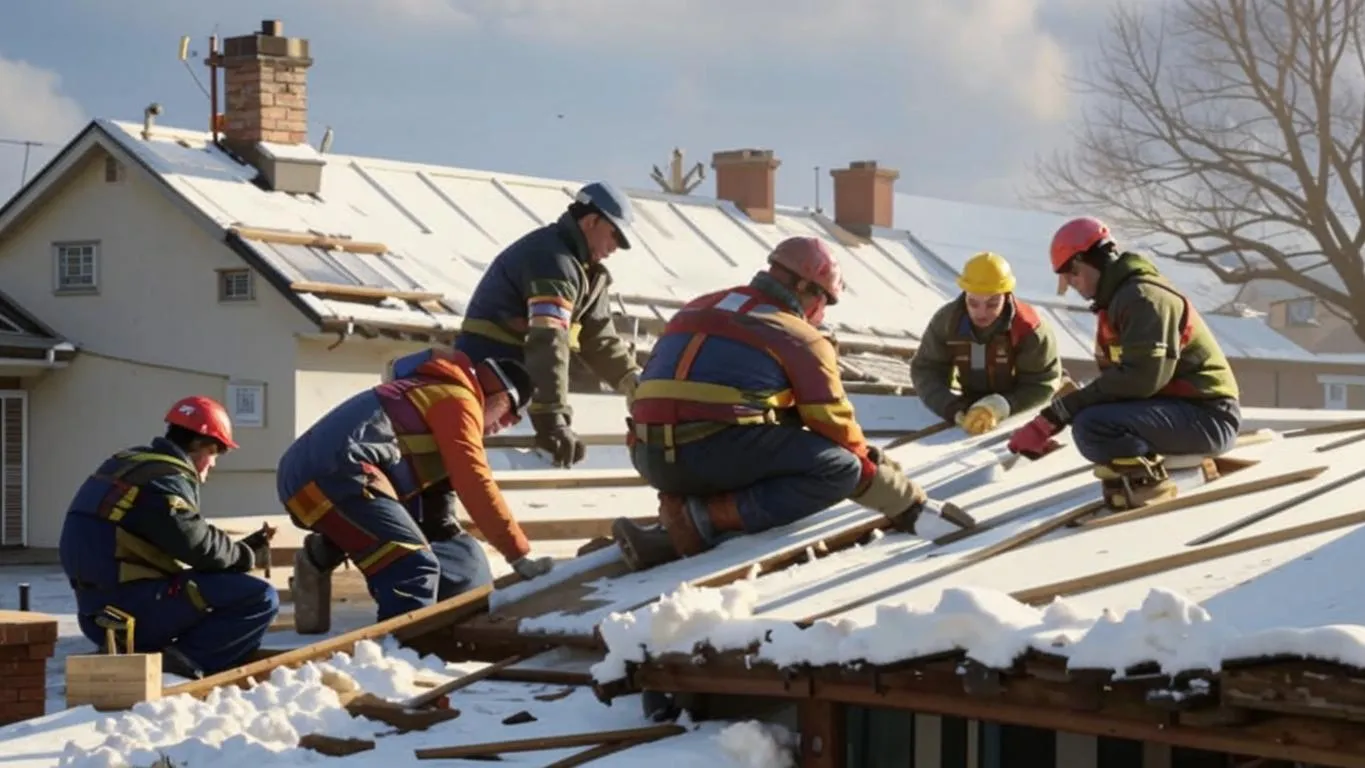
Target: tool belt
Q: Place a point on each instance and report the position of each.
(178, 585)
(670, 436)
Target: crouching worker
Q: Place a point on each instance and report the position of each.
(741, 422)
(986, 354)
(373, 480)
(134, 543)
(1164, 387)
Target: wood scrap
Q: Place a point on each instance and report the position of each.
(519, 718)
(593, 753)
(1276, 509)
(1044, 594)
(1342, 443)
(404, 718)
(309, 239)
(333, 746)
(1251, 486)
(542, 743)
(442, 614)
(1331, 428)
(432, 696)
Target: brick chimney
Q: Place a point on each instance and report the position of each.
(266, 100)
(266, 87)
(864, 196)
(748, 178)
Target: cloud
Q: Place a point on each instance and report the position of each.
(32, 108)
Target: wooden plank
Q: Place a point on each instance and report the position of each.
(1310, 688)
(415, 623)
(1045, 593)
(464, 681)
(541, 479)
(528, 442)
(362, 291)
(1336, 427)
(1271, 511)
(1342, 443)
(1251, 486)
(309, 239)
(549, 742)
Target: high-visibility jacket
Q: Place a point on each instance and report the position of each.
(996, 359)
(401, 438)
(137, 517)
(745, 356)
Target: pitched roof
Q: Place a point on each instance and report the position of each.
(22, 335)
(429, 231)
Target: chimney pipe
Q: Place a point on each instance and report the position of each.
(748, 178)
(864, 197)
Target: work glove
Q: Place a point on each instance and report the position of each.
(259, 544)
(528, 567)
(878, 457)
(627, 386)
(555, 437)
(889, 491)
(984, 415)
(1035, 438)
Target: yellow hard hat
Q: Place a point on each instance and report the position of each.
(986, 274)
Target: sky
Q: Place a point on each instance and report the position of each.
(959, 95)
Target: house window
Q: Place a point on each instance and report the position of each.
(1301, 311)
(77, 267)
(236, 285)
(1334, 397)
(246, 403)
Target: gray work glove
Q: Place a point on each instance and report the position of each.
(528, 567)
(555, 437)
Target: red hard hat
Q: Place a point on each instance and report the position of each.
(1076, 237)
(202, 415)
(810, 259)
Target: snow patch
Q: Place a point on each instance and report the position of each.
(260, 726)
(989, 626)
(755, 744)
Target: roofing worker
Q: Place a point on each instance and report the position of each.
(986, 354)
(545, 296)
(741, 422)
(134, 542)
(1164, 387)
(372, 480)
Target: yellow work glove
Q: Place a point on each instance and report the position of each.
(985, 414)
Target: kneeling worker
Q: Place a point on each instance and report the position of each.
(1164, 387)
(986, 354)
(132, 530)
(741, 422)
(372, 480)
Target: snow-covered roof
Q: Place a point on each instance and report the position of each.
(1186, 589)
(425, 233)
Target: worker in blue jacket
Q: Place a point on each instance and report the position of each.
(545, 297)
(134, 541)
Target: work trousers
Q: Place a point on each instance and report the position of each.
(1165, 425)
(778, 474)
(403, 570)
(166, 613)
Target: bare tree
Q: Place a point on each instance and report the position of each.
(1236, 130)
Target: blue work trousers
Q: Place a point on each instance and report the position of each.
(480, 348)
(241, 608)
(1167, 426)
(403, 570)
(778, 474)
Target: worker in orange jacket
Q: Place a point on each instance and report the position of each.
(373, 480)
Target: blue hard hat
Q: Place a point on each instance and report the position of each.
(612, 204)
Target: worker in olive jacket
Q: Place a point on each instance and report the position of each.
(986, 354)
(546, 296)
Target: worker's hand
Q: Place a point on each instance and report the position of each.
(259, 544)
(554, 436)
(528, 567)
(1032, 440)
(269, 531)
(985, 414)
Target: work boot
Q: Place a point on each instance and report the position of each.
(693, 522)
(311, 584)
(643, 546)
(929, 519)
(1133, 482)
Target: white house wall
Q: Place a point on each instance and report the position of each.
(157, 305)
(326, 377)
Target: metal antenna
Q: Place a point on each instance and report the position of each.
(28, 147)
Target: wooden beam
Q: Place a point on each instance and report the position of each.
(1271, 511)
(361, 291)
(935, 689)
(541, 743)
(541, 479)
(823, 743)
(309, 239)
(432, 696)
(1251, 486)
(421, 621)
(1308, 688)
